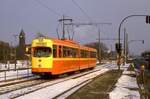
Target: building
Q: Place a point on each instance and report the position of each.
(4, 51)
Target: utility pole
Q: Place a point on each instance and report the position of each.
(63, 37)
(99, 46)
(124, 56)
(63, 20)
(127, 48)
(111, 53)
(98, 26)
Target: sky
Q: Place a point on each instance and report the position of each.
(42, 16)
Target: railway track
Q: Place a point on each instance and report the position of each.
(59, 81)
(16, 81)
(29, 86)
(19, 85)
(88, 77)
(71, 90)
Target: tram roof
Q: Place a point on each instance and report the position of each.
(71, 43)
(68, 43)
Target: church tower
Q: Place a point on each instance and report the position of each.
(21, 47)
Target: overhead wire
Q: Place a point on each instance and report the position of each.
(75, 3)
(58, 14)
(50, 9)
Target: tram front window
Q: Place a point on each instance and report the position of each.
(42, 52)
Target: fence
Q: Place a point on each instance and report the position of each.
(14, 71)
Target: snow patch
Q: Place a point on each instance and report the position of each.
(124, 93)
(56, 89)
(123, 88)
(127, 82)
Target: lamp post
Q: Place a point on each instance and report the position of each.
(119, 31)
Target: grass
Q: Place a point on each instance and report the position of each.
(99, 87)
(147, 84)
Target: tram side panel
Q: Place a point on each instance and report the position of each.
(64, 62)
(92, 60)
(84, 60)
(64, 65)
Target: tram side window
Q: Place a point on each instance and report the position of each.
(66, 52)
(60, 51)
(74, 52)
(93, 54)
(54, 51)
(69, 52)
(84, 54)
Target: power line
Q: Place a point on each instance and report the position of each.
(50, 9)
(82, 10)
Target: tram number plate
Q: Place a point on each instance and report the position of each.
(41, 44)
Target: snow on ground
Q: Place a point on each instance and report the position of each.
(128, 73)
(122, 90)
(21, 73)
(124, 87)
(54, 90)
(124, 67)
(124, 93)
(127, 82)
(10, 73)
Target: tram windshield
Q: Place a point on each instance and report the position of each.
(42, 52)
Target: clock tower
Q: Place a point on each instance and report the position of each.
(22, 45)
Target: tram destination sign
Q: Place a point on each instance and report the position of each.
(41, 44)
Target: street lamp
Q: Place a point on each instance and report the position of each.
(119, 30)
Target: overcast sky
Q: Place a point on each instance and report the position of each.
(42, 16)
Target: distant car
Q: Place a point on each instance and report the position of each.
(147, 58)
(139, 61)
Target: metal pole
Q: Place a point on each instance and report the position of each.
(111, 54)
(127, 50)
(124, 47)
(63, 25)
(63, 28)
(99, 46)
(119, 30)
(15, 59)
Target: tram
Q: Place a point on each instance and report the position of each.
(54, 56)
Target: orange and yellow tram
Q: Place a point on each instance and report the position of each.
(53, 56)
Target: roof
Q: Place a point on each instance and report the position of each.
(71, 43)
(68, 43)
